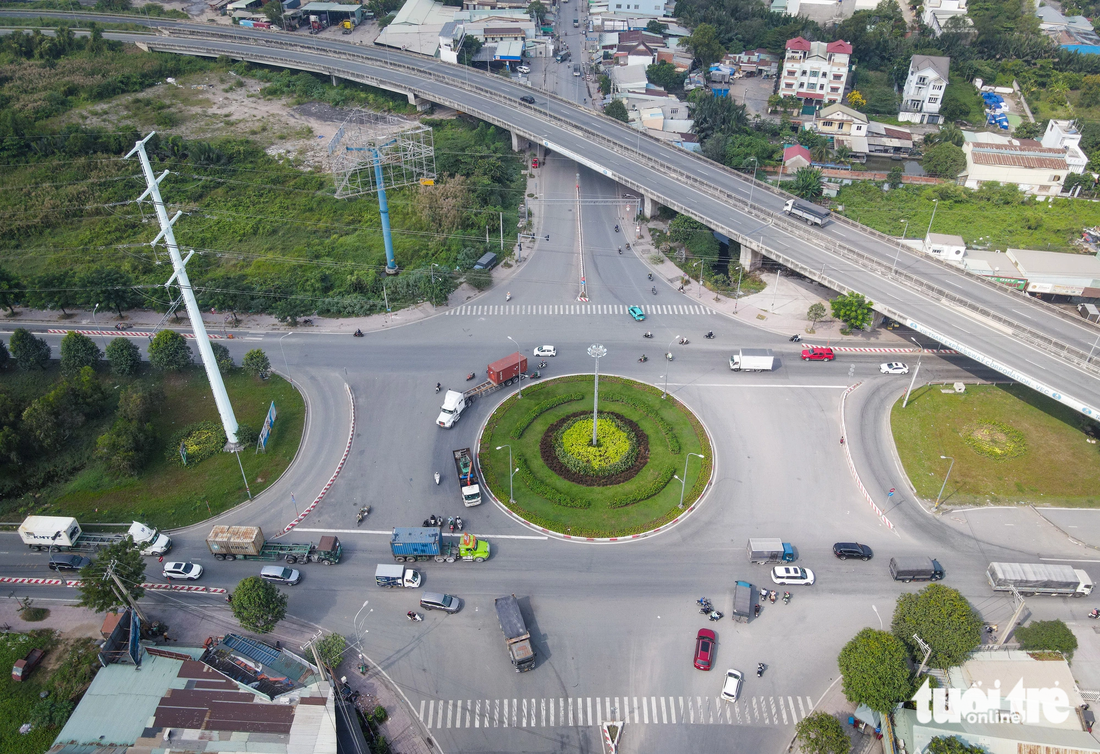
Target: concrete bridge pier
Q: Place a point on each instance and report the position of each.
(650, 206)
(750, 258)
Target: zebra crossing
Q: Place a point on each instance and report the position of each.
(493, 310)
(585, 711)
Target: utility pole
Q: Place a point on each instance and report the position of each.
(179, 277)
(927, 653)
(123, 593)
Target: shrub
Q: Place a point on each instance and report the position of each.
(200, 441)
(256, 363)
(540, 409)
(222, 357)
(78, 351)
(1052, 635)
(995, 439)
(28, 351)
(170, 351)
(666, 428)
(616, 448)
(123, 356)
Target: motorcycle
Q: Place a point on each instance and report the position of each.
(756, 611)
(508, 296)
(534, 375)
(683, 341)
(643, 359)
(413, 616)
(616, 228)
(703, 601)
(795, 338)
(358, 333)
(307, 322)
(620, 251)
(654, 290)
(123, 326)
(709, 335)
(437, 387)
(786, 598)
(650, 275)
(628, 246)
(470, 376)
(458, 523)
(715, 615)
(760, 670)
(772, 596)
(648, 335)
(542, 365)
(451, 524)
(432, 521)
(437, 477)
(668, 356)
(363, 513)
(1095, 613)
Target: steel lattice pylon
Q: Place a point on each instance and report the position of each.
(404, 148)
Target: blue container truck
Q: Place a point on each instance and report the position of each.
(412, 543)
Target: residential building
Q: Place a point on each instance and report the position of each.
(1058, 273)
(884, 139)
(937, 13)
(451, 37)
(815, 72)
(925, 85)
(944, 246)
(648, 8)
(1070, 32)
(628, 79)
(1028, 164)
(417, 27)
(796, 156)
(758, 62)
(1064, 134)
(841, 123)
(994, 265)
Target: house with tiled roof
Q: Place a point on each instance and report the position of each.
(1028, 164)
(815, 72)
(796, 156)
(922, 95)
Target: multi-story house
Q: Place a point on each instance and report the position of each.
(815, 72)
(924, 88)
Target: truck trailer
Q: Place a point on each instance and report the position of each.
(63, 534)
(811, 213)
(248, 543)
(770, 551)
(467, 477)
(1055, 580)
(516, 636)
(752, 360)
(392, 575)
(422, 543)
(500, 373)
(744, 600)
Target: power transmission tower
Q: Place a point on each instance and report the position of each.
(179, 277)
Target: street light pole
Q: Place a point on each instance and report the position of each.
(935, 206)
(683, 482)
(355, 626)
(916, 371)
(519, 360)
(596, 351)
(511, 472)
(949, 468)
(668, 363)
(752, 186)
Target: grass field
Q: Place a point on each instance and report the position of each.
(600, 519)
(18, 699)
(1057, 465)
(169, 495)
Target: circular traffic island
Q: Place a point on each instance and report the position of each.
(627, 483)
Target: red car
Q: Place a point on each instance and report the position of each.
(818, 354)
(704, 649)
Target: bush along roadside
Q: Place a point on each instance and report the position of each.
(541, 409)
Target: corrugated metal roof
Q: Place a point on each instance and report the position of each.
(1019, 156)
(1033, 262)
(120, 702)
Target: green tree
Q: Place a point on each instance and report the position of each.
(821, 733)
(665, 75)
(108, 287)
(258, 605)
(1029, 130)
(815, 313)
(605, 84)
(704, 44)
(956, 105)
(853, 310)
(274, 12)
(9, 290)
(123, 356)
(944, 161)
(50, 712)
(222, 357)
(952, 745)
(656, 27)
(949, 133)
(4, 355)
(617, 110)
(471, 46)
(124, 448)
(876, 670)
(78, 351)
(943, 618)
(537, 11)
(54, 290)
(807, 183)
(331, 650)
(28, 351)
(100, 592)
(1048, 635)
(169, 351)
(479, 279)
(893, 178)
(256, 363)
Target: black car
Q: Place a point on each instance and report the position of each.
(528, 99)
(845, 550)
(61, 562)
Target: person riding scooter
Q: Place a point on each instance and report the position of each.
(359, 333)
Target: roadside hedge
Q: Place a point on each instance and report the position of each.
(544, 490)
(666, 428)
(540, 409)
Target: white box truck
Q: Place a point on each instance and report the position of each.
(63, 534)
(752, 360)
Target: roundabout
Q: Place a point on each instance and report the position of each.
(652, 458)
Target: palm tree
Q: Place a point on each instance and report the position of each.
(807, 183)
(843, 154)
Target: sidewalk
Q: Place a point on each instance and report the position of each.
(190, 625)
(834, 703)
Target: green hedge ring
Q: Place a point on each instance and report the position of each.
(626, 485)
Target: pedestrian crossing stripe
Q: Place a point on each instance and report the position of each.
(489, 310)
(584, 711)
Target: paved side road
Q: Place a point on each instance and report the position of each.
(190, 624)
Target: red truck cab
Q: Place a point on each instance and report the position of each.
(818, 354)
(26, 666)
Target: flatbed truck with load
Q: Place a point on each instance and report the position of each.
(63, 534)
(1052, 579)
(422, 543)
(248, 543)
(500, 373)
(467, 477)
(752, 360)
(516, 636)
(770, 551)
(811, 213)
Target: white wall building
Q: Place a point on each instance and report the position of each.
(815, 72)
(938, 12)
(1064, 134)
(924, 87)
(1031, 166)
(648, 8)
(944, 246)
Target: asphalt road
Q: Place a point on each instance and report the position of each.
(614, 624)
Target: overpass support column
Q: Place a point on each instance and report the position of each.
(876, 321)
(750, 258)
(650, 207)
(421, 105)
(520, 143)
(333, 77)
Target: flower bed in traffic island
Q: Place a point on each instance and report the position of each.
(626, 484)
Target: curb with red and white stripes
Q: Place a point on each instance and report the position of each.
(852, 466)
(131, 333)
(34, 582)
(332, 479)
(862, 349)
(73, 584)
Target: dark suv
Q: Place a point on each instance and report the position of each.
(845, 550)
(528, 99)
(59, 562)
